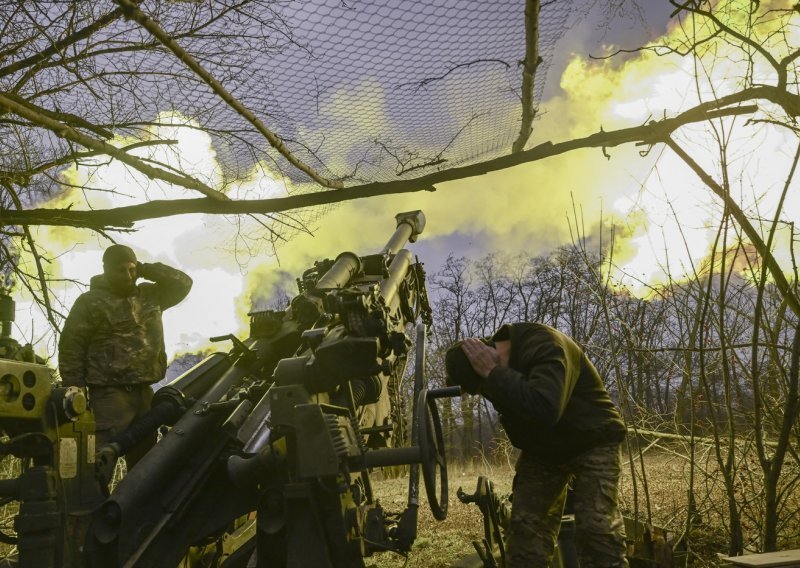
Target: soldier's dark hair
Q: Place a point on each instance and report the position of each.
(117, 254)
(459, 369)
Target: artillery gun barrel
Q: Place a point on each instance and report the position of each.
(170, 401)
(346, 266)
(189, 434)
(197, 380)
(397, 272)
(409, 226)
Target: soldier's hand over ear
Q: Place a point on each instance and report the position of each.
(482, 357)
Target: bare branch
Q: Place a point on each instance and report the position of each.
(421, 84)
(65, 131)
(133, 12)
(59, 46)
(772, 264)
(125, 216)
(529, 65)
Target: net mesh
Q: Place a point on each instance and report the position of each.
(360, 91)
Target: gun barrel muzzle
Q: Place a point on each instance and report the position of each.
(409, 226)
(7, 309)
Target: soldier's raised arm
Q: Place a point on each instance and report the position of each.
(172, 285)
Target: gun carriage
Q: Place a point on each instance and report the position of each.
(270, 447)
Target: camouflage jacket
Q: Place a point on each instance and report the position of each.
(114, 339)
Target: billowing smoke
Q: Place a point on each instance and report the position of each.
(665, 218)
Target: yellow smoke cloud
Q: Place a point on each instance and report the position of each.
(671, 215)
(665, 217)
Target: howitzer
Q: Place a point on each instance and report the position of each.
(267, 461)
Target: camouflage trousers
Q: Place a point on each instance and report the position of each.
(115, 408)
(540, 491)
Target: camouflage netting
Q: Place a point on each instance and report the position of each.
(388, 89)
(359, 91)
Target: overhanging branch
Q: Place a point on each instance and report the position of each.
(67, 132)
(651, 133)
(133, 12)
(529, 65)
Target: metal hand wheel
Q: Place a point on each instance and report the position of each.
(432, 453)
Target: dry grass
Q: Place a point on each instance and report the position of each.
(662, 497)
(9, 468)
(663, 502)
(439, 544)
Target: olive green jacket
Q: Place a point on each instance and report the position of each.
(551, 398)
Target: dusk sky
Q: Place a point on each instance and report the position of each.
(661, 211)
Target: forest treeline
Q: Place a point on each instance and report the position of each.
(705, 368)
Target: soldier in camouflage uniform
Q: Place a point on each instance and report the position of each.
(113, 341)
(554, 407)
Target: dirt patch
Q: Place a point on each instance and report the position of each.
(439, 544)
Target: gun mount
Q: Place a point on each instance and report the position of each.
(270, 447)
(10, 348)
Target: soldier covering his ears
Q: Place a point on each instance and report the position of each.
(554, 407)
(113, 341)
